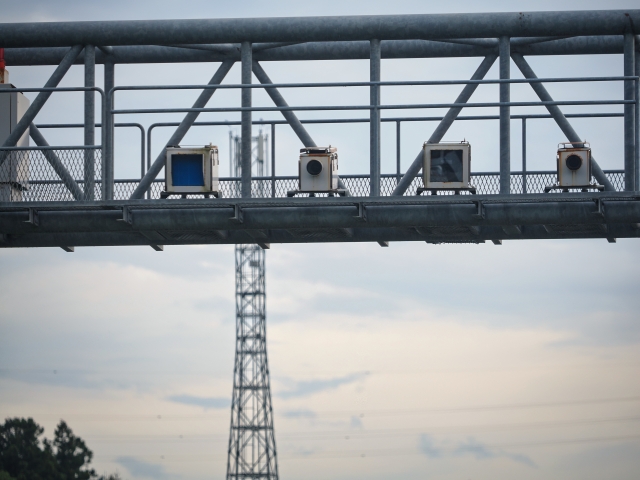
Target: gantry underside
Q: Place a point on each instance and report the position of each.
(434, 219)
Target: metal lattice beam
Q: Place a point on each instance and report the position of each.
(252, 445)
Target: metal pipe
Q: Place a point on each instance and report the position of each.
(402, 83)
(40, 100)
(398, 175)
(583, 45)
(374, 115)
(108, 133)
(181, 131)
(629, 114)
(245, 54)
(387, 119)
(505, 116)
(446, 122)
(89, 121)
(559, 117)
(524, 155)
(57, 165)
(476, 42)
(313, 29)
(411, 106)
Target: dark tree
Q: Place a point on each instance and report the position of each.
(22, 455)
(72, 455)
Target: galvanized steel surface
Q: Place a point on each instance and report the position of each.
(310, 29)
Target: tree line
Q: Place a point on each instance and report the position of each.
(24, 455)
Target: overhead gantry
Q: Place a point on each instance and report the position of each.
(67, 196)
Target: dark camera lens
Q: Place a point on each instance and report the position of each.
(574, 162)
(314, 167)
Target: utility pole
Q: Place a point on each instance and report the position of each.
(252, 443)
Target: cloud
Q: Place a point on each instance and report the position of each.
(138, 468)
(356, 423)
(429, 448)
(67, 378)
(474, 448)
(309, 387)
(471, 447)
(307, 414)
(204, 402)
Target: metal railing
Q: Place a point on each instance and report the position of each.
(33, 175)
(397, 120)
(60, 173)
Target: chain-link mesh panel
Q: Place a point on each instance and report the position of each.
(59, 175)
(31, 175)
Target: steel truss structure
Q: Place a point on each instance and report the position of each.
(78, 202)
(252, 444)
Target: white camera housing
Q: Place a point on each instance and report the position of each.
(192, 170)
(318, 169)
(446, 165)
(574, 165)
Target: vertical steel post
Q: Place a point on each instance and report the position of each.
(107, 125)
(245, 53)
(524, 155)
(273, 160)
(505, 116)
(398, 175)
(637, 122)
(89, 121)
(374, 122)
(629, 114)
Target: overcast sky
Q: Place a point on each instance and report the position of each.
(414, 361)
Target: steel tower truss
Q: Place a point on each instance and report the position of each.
(252, 444)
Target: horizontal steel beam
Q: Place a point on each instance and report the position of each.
(314, 29)
(379, 235)
(580, 215)
(587, 45)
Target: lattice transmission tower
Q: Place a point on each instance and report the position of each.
(252, 443)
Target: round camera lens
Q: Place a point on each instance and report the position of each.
(314, 167)
(574, 162)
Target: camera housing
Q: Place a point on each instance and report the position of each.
(318, 169)
(574, 165)
(446, 165)
(191, 170)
